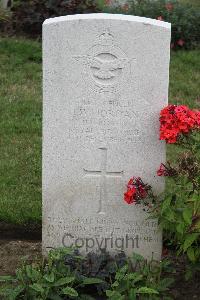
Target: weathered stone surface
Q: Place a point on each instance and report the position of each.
(105, 81)
(5, 4)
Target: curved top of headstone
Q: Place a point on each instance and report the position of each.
(104, 16)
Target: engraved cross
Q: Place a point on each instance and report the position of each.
(103, 174)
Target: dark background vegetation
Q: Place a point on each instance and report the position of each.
(26, 16)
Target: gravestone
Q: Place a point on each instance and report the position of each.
(6, 4)
(105, 82)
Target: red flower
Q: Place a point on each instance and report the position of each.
(161, 171)
(180, 42)
(136, 190)
(181, 109)
(177, 120)
(130, 181)
(142, 192)
(197, 117)
(160, 18)
(129, 195)
(169, 6)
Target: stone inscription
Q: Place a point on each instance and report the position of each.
(110, 120)
(147, 230)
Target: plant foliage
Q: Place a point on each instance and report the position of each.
(185, 18)
(65, 274)
(28, 15)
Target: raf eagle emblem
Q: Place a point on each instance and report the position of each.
(104, 62)
(106, 69)
(103, 68)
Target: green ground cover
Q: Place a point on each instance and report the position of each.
(21, 121)
(191, 2)
(20, 131)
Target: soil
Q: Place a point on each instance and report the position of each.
(18, 243)
(23, 232)
(182, 289)
(14, 251)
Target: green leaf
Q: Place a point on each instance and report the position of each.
(180, 228)
(29, 271)
(187, 216)
(190, 254)
(63, 281)
(146, 290)
(121, 273)
(54, 297)
(14, 293)
(19, 275)
(124, 269)
(188, 275)
(35, 274)
(115, 284)
(109, 293)
(132, 294)
(37, 287)
(49, 277)
(137, 257)
(6, 278)
(70, 292)
(91, 281)
(189, 240)
(169, 214)
(165, 283)
(114, 295)
(193, 198)
(135, 277)
(166, 203)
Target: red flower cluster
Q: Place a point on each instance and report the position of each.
(162, 171)
(176, 120)
(136, 190)
(166, 170)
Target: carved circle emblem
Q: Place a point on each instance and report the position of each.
(106, 65)
(106, 68)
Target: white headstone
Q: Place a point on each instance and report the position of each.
(105, 82)
(5, 4)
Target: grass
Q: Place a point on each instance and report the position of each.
(185, 78)
(20, 131)
(184, 85)
(21, 117)
(195, 3)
